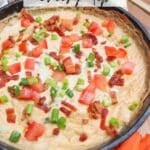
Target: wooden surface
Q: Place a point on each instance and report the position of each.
(144, 17)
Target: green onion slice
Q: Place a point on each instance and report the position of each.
(114, 122)
(69, 93)
(4, 99)
(62, 122)
(15, 136)
(29, 109)
(55, 115)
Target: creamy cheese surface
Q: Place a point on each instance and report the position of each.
(127, 94)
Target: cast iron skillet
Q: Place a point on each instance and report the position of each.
(143, 113)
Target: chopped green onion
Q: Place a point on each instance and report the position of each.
(127, 45)
(82, 32)
(76, 48)
(32, 80)
(69, 93)
(38, 19)
(124, 39)
(114, 122)
(40, 35)
(106, 71)
(22, 30)
(54, 37)
(59, 67)
(112, 64)
(53, 92)
(4, 99)
(62, 122)
(55, 115)
(91, 57)
(51, 82)
(47, 61)
(133, 106)
(65, 84)
(106, 102)
(90, 64)
(79, 87)
(24, 81)
(62, 94)
(4, 63)
(15, 136)
(17, 55)
(86, 24)
(29, 109)
(80, 81)
(15, 90)
(110, 34)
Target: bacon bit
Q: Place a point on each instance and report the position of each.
(76, 19)
(14, 77)
(94, 110)
(111, 131)
(41, 100)
(99, 59)
(104, 114)
(113, 97)
(28, 74)
(111, 58)
(78, 55)
(70, 106)
(65, 111)
(90, 36)
(104, 42)
(83, 137)
(44, 107)
(89, 75)
(56, 131)
(4, 78)
(78, 69)
(116, 79)
(54, 55)
(85, 121)
(11, 117)
(59, 31)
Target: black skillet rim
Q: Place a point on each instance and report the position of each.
(143, 114)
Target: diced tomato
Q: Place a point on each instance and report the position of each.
(67, 24)
(110, 25)
(29, 64)
(43, 44)
(95, 28)
(110, 51)
(65, 111)
(10, 111)
(70, 106)
(25, 94)
(34, 131)
(38, 87)
(14, 68)
(66, 44)
(88, 94)
(23, 47)
(121, 53)
(59, 75)
(25, 14)
(100, 82)
(128, 68)
(37, 51)
(11, 117)
(87, 43)
(83, 137)
(75, 37)
(25, 22)
(56, 131)
(9, 43)
(70, 68)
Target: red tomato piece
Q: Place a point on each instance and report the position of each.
(34, 131)
(56, 131)
(25, 14)
(95, 28)
(29, 63)
(100, 82)
(14, 68)
(37, 51)
(128, 68)
(11, 117)
(110, 51)
(121, 53)
(38, 87)
(25, 94)
(25, 22)
(110, 25)
(88, 94)
(66, 44)
(70, 106)
(9, 43)
(67, 24)
(83, 137)
(10, 111)
(43, 44)
(59, 75)
(23, 47)
(87, 43)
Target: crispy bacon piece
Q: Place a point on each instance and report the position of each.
(111, 131)
(83, 137)
(11, 117)
(94, 110)
(116, 79)
(14, 77)
(54, 55)
(113, 97)
(70, 106)
(28, 74)
(78, 55)
(99, 59)
(56, 131)
(85, 121)
(104, 113)
(4, 78)
(76, 19)
(59, 31)
(89, 75)
(65, 111)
